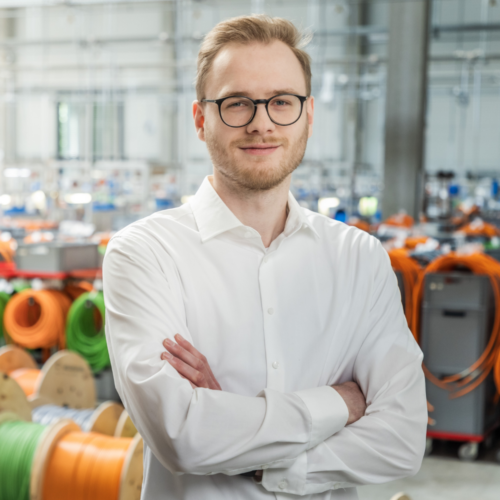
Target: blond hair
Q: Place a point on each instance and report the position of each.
(247, 29)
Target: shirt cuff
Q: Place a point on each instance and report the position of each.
(328, 411)
(291, 480)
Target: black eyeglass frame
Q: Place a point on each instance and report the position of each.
(219, 102)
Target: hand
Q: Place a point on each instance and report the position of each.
(354, 399)
(189, 363)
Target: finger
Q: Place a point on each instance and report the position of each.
(193, 357)
(194, 376)
(192, 350)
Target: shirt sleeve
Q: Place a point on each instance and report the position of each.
(389, 441)
(195, 431)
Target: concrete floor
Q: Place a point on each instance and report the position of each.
(443, 479)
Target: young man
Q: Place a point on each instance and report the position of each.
(260, 348)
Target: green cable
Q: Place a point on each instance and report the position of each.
(4, 298)
(19, 442)
(82, 335)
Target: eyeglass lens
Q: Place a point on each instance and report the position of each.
(238, 111)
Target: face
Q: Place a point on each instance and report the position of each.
(260, 155)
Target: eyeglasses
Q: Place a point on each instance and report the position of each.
(239, 111)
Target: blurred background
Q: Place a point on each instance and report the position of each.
(96, 133)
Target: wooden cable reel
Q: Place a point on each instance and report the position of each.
(65, 380)
(131, 473)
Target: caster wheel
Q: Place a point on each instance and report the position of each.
(468, 452)
(428, 446)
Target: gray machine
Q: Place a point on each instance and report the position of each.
(457, 318)
(56, 256)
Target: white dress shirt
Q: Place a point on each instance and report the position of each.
(278, 326)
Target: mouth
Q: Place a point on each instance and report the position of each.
(260, 149)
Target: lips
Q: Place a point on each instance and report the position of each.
(260, 149)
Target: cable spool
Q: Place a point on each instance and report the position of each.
(60, 462)
(125, 427)
(103, 420)
(85, 330)
(466, 381)
(65, 380)
(13, 399)
(36, 318)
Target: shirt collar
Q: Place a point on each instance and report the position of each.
(213, 217)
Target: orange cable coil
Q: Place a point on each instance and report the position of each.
(463, 383)
(40, 324)
(85, 466)
(400, 220)
(27, 378)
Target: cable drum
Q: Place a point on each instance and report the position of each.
(85, 330)
(19, 443)
(36, 318)
(49, 414)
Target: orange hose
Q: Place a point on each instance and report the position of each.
(466, 381)
(27, 378)
(75, 290)
(412, 242)
(37, 318)
(402, 262)
(401, 220)
(480, 228)
(85, 466)
(7, 250)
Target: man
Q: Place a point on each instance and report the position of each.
(260, 348)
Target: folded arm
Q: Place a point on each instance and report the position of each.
(389, 441)
(196, 430)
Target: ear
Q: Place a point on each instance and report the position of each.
(310, 114)
(199, 120)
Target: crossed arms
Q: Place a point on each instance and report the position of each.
(301, 435)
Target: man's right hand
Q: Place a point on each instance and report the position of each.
(354, 399)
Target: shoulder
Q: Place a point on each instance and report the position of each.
(338, 233)
(153, 228)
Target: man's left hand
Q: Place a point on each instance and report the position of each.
(189, 363)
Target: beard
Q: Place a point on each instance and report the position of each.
(256, 176)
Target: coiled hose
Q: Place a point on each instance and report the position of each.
(85, 330)
(36, 318)
(4, 298)
(464, 382)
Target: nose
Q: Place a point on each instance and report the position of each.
(261, 123)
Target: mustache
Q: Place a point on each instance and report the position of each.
(246, 143)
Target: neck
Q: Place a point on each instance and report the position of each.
(264, 211)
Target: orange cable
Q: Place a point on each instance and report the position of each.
(400, 220)
(85, 466)
(76, 289)
(402, 262)
(27, 378)
(412, 241)
(464, 382)
(37, 318)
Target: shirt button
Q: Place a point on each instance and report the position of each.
(270, 310)
(283, 484)
(276, 365)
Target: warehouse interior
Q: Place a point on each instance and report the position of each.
(96, 133)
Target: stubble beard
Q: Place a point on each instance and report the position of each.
(256, 179)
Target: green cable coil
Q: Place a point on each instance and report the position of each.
(19, 441)
(4, 298)
(83, 335)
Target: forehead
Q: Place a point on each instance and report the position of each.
(256, 68)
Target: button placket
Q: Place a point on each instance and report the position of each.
(267, 282)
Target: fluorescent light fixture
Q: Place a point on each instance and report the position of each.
(78, 198)
(17, 172)
(368, 206)
(326, 204)
(5, 199)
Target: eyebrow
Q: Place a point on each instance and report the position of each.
(246, 93)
